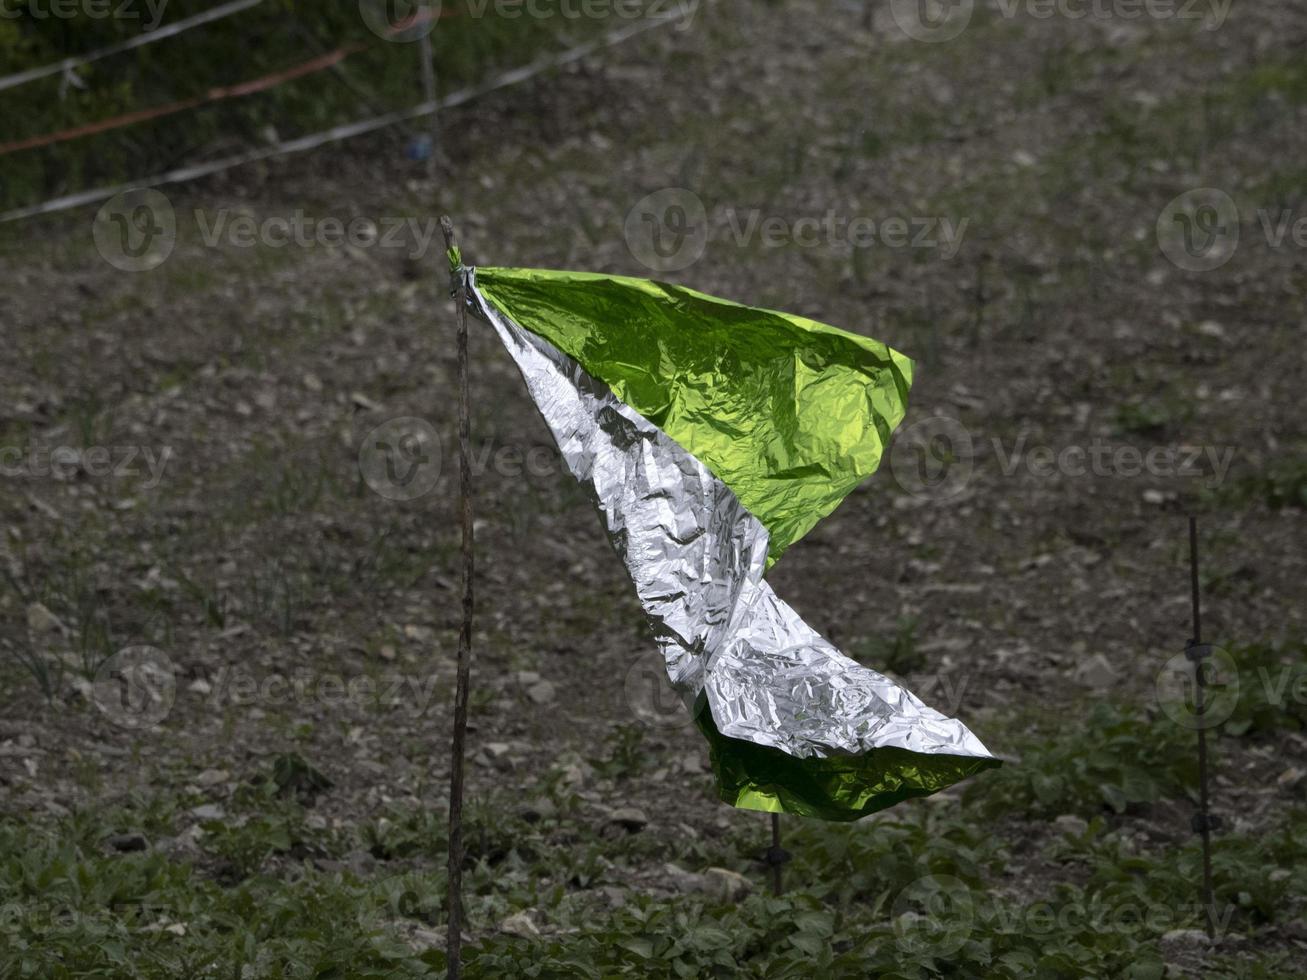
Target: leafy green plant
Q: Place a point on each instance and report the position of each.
(1272, 689)
(1116, 758)
(898, 653)
(627, 755)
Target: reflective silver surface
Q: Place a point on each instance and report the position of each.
(697, 558)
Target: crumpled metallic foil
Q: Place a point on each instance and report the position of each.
(732, 647)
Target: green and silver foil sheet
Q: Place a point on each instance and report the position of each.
(714, 435)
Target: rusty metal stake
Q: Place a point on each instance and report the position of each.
(454, 937)
(1198, 652)
(776, 855)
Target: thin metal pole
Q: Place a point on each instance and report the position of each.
(1200, 696)
(776, 862)
(454, 938)
(1193, 579)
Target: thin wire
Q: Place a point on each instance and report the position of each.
(347, 130)
(158, 34)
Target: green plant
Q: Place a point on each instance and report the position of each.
(1114, 758)
(898, 653)
(1272, 689)
(627, 755)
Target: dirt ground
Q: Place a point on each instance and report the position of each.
(304, 612)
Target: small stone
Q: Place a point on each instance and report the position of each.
(495, 755)
(1290, 778)
(1154, 497)
(574, 775)
(629, 817)
(542, 693)
(128, 843)
(1210, 328)
(1190, 936)
(212, 777)
(387, 652)
(519, 924)
(41, 620)
(726, 886)
(1070, 824)
(541, 808)
(682, 880)
(1096, 672)
(200, 686)
(312, 382)
(428, 939)
(209, 811)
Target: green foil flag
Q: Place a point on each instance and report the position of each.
(713, 436)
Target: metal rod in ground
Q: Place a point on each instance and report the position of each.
(1204, 820)
(776, 884)
(454, 937)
